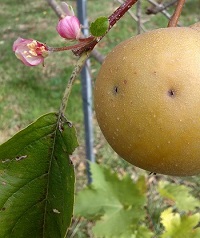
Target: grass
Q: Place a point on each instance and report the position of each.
(27, 93)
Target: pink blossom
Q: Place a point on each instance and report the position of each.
(69, 28)
(29, 51)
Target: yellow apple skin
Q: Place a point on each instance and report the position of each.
(147, 100)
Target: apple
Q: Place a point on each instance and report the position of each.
(147, 100)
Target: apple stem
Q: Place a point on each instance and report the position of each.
(174, 19)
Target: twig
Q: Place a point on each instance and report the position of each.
(71, 233)
(160, 8)
(138, 14)
(97, 56)
(117, 14)
(55, 7)
(134, 17)
(164, 12)
(174, 20)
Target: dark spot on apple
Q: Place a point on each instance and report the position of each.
(116, 90)
(171, 93)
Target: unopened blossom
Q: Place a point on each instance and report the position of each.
(69, 26)
(29, 51)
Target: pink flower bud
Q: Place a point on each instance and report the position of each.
(69, 28)
(29, 51)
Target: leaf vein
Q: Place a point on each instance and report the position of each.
(25, 213)
(26, 184)
(50, 165)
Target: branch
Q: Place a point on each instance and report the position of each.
(134, 17)
(164, 12)
(97, 56)
(113, 19)
(56, 8)
(120, 12)
(174, 20)
(160, 7)
(138, 14)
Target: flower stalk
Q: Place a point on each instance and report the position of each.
(75, 72)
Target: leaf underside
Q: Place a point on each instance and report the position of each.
(37, 180)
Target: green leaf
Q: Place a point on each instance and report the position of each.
(143, 232)
(117, 205)
(37, 180)
(177, 226)
(99, 27)
(179, 194)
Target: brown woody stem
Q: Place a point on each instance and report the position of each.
(117, 14)
(174, 19)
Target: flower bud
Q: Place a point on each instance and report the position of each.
(29, 51)
(69, 28)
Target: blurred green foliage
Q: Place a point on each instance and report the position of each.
(118, 207)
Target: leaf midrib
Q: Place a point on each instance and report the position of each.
(48, 174)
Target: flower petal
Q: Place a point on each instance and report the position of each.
(69, 28)
(30, 52)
